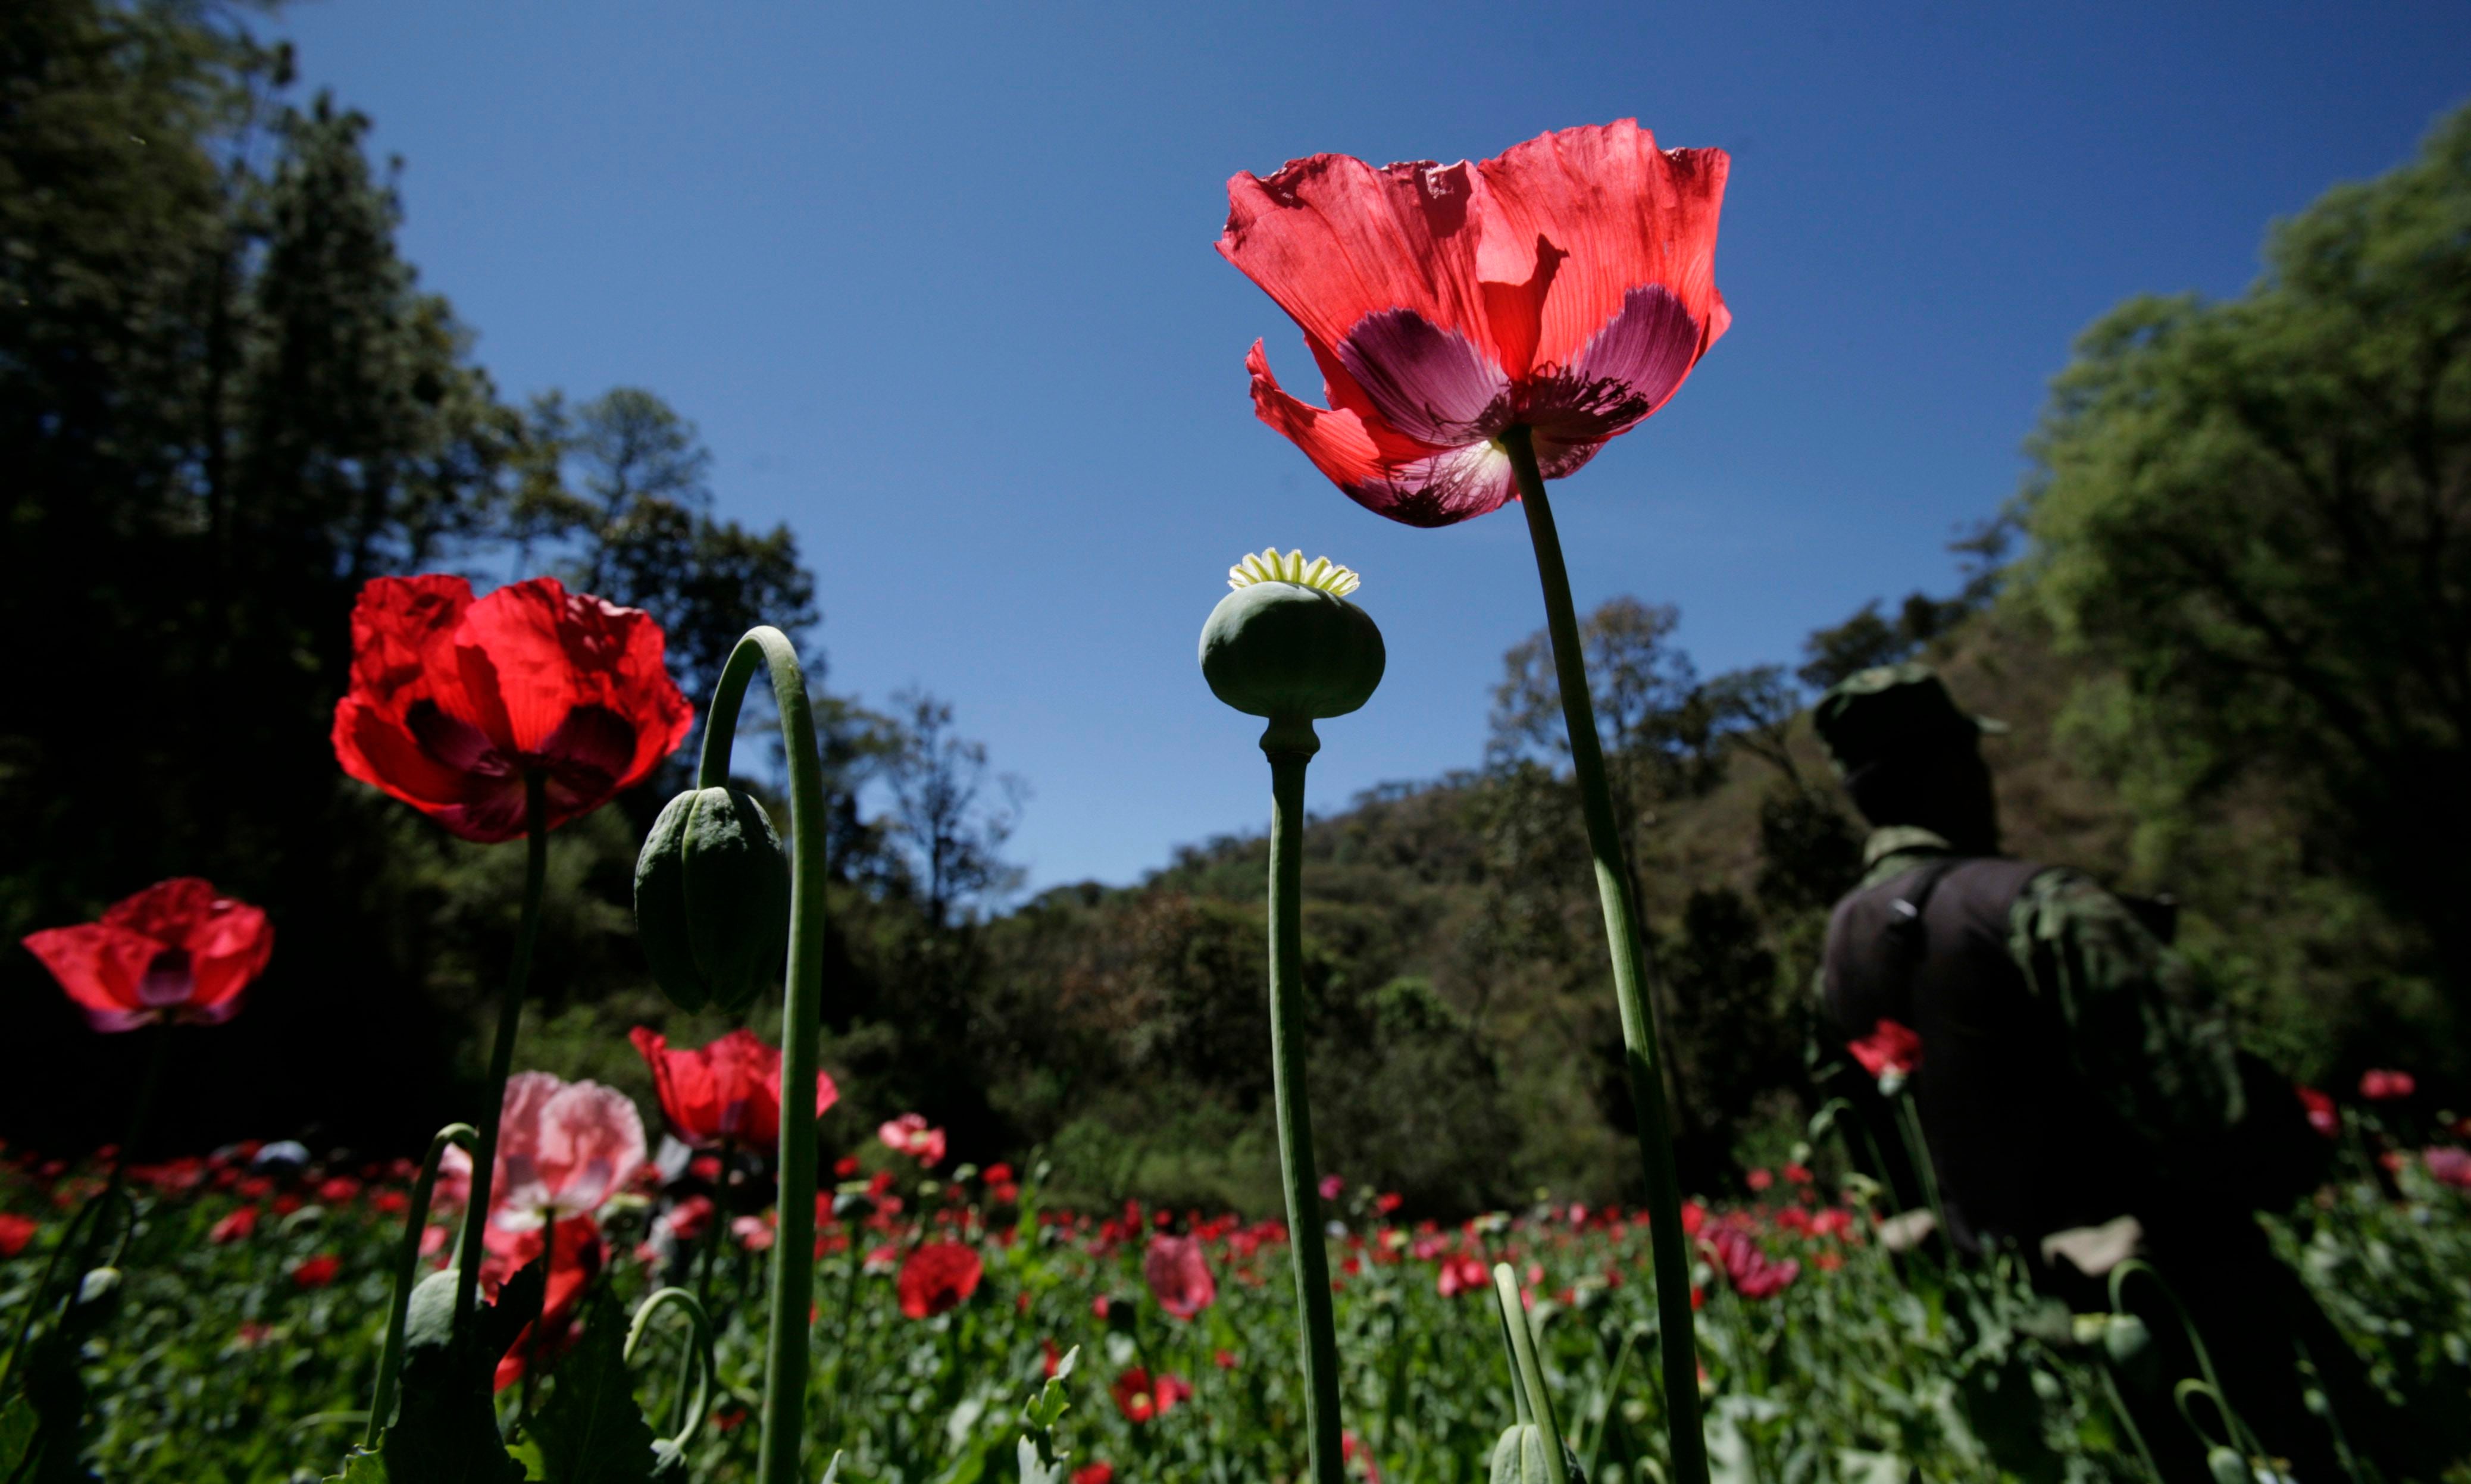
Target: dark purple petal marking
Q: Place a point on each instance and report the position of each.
(1430, 384)
(170, 978)
(1626, 372)
(1447, 487)
(454, 742)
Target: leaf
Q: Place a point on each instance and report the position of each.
(360, 1466)
(17, 1424)
(590, 1430)
(1032, 1469)
(445, 1428)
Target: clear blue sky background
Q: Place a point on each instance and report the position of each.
(936, 282)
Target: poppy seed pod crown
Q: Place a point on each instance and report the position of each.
(1286, 644)
(712, 899)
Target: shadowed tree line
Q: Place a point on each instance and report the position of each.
(226, 402)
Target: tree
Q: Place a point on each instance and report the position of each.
(2259, 512)
(616, 489)
(949, 813)
(223, 401)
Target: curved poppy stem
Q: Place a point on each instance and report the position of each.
(793, 1247)
(407, 1259)
(470, 1248)
(1290, 745)
(1643, 1058)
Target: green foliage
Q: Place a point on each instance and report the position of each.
(446, 1426)
(590, 1431)
(2257, 515)
(220, 1364)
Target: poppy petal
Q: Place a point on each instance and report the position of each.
(99, 966)
(1332, 240)
(1428, 383)
(1632, 368)
(1626, 214)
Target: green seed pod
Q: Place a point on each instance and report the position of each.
(712, 899)
(2227, 1466)
(1286, 643)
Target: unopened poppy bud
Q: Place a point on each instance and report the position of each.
(2227, 1466)
(712, 899)
(1288, 645)
(1520, 1457)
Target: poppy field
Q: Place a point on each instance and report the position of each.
(244, 1336)
(891, 1212)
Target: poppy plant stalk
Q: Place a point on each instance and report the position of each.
(787, 1349)
(1479, 328)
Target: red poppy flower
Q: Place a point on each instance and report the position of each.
(15, 1231)
(2321, 1115)
(237, 1225)
(1753, 1272)
(455, 701)
(575, 1256)
(1179, 1275)
(317, 1272)
(2378, 1085)
(1889, 1050)
(177, 951)
(1568, 285)
(937, 1276)
(1464, 1273)
(728, 1092)
(1101, 1472)
(1139, 1397)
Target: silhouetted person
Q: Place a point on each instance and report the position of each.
(2081, 1099)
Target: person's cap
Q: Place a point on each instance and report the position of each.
(1876, 714)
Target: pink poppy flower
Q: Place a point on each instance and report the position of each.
(908, 1134)
(1179, 1275)
(2449, 1165)
(563, 1149)
(1331, 1187)
(177, 951)
(1567, 285)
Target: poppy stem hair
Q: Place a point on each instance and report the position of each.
(793, 1247)
(1290, 743)
(1643, 1057)
(501, 1051)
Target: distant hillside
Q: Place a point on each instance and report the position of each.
(1469, 1050)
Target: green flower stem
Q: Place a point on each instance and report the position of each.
(84, 1235)
(793, 1248)
(1290, 745)
(406, 1258)
(1643, 1058)
(471, 1246)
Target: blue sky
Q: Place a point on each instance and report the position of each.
(936, 282)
